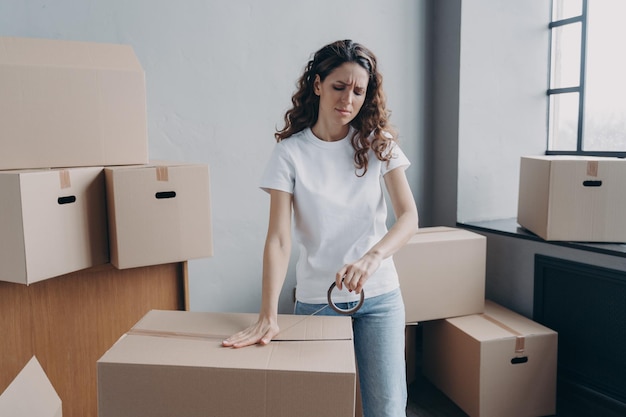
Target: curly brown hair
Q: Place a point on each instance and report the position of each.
(371, 124)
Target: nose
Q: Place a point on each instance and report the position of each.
(347, 96)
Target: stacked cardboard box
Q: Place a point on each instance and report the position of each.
(68, 111)
(51, 222)
(442, 273)
(67, 104)
(493, 364)
(158, 213)
(469, 343)
(573, 198)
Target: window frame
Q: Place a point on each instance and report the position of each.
(580, 89)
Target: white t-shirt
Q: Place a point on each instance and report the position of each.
(338, 216)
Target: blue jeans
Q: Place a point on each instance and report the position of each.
(379, 348)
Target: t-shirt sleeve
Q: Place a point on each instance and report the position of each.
(398, 160)
(279, 173)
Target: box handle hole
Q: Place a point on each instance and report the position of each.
(165, 194)
(518, 360)
(66, 200)
(592, 183)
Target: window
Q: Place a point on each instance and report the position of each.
(587, 91)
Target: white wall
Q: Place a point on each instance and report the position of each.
(489, 107)
(220, 75)
(502, 102)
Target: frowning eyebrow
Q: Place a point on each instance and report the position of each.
(357, 88)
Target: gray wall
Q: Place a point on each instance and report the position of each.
(502, 102)
(488, 75)
(220, 75)
(443, 111)
(465, 80)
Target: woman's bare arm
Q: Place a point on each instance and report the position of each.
(275, 263)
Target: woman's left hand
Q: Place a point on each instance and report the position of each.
(354, 275)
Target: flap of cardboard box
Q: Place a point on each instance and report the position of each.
(194, 339)
(503, 324)
(30, 394)
(73, 54)
(187, 324)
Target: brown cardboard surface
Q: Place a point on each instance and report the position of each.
(43, 232)
(68, 103)
(555, 204)
(172, 363)
(145, 229)
(442, 273)
(470, 359)
(30, 394)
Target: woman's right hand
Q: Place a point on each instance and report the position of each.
(262, 332)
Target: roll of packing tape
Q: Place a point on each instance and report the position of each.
(332, 304)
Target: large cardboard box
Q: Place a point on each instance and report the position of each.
(52, 222)
(171, 363)
(494, 364)
(158, 213)
(573, 198)
(67, 103)
(442, 273)
(30, 394)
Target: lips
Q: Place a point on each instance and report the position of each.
(344, 112)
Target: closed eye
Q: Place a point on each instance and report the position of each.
(357, 91)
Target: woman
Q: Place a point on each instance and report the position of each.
(327, 165)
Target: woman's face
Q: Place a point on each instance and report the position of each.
(342, 94)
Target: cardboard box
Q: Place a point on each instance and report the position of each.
(158, 213)
(66, 103)
(573, 198)
(494, 364)
(52, 222)
(30, 394)
(442, 273)
(172, 364)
